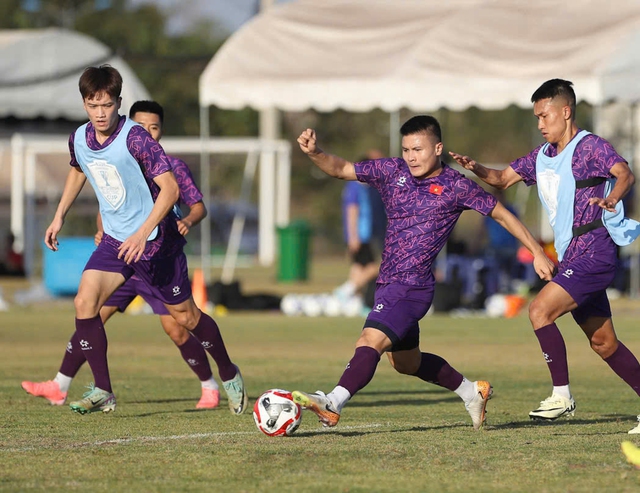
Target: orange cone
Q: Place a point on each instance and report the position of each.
(515, 303)
(199, 289)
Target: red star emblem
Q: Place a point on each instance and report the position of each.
(435, 189)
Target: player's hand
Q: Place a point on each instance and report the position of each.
(543, 266)
(183, 227)
(607, 204)
(308, 142)
(132, 248)
(465, 161)
(97, 238)
(51, 234)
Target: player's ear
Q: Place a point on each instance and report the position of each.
(566, 112)
(439, 148)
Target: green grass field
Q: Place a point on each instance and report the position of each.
(398, 434)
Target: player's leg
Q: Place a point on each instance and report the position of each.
(95, 288)
(56, 390)
(196, 358)
(407, 359)
(206, 330)
(190, 348)
(103, 274)
(174, 290)
(358, 373)
(550, 303)
(595, 321)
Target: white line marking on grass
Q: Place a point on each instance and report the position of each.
(143, 439)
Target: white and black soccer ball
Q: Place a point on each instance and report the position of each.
(276, 414)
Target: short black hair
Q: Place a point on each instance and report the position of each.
(96, 80)
(422, 124)
(556, 88)
(147, 107)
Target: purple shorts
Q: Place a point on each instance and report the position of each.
(126, 293)
(166, 279)
(586, 279)
(397, 309)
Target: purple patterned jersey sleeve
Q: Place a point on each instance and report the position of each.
(526, 167)
(189, 192)
(72, 152)
(470, 195)
(148, 152)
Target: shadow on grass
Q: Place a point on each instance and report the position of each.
(562, 423)
(404, 402)
(375, 431)
(160, 401)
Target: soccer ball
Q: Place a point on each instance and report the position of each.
(312, 305)
(291, 305)
(276, 414)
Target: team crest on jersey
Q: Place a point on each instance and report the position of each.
(108, 182)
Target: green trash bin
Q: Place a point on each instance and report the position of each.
(293, 243)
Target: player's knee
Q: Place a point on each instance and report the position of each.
(604, 346)
(178, 334)
(85, 307)
(186, 319)
(538, 314)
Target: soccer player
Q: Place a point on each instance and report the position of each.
(150, 115)
(423, 198)
(357, 220)
(136, 191)
(574, 170)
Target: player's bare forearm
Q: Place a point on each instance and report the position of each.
(197, 212)
(168, 196)
(625, 180)
(500, 179)
(624, 183)
(72, 187)
(332, 165)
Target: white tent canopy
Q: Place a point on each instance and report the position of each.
(423, 55)
(40, 68)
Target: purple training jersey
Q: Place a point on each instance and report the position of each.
(153, 162)
(421, 215)
(593, 158)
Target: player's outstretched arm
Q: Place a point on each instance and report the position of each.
(541, 263)
(496, 178)
(332, 165)
(72, 186)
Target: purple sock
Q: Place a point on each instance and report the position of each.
(626, 366)
(73, 357)
(360, 369)
(93, 341)
(555, 353)
(208, 334)
(436, 370)
(196, 357)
